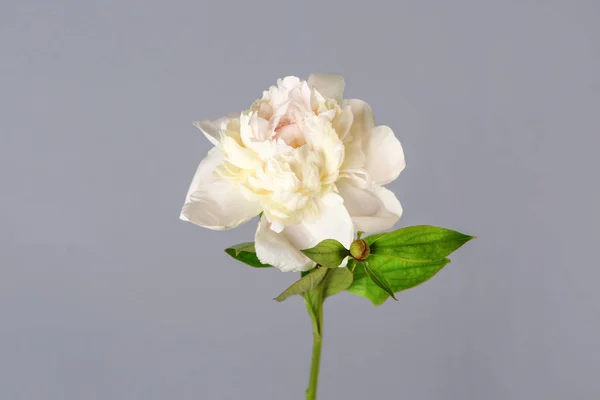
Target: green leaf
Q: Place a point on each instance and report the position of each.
(313, 299)
(246, 253)
(400, 274)
(421, 242)
(304, 284)
(406, 258)
(246, 246)
(336, 280)
(378, 278)
(329, 253)
(304, 273)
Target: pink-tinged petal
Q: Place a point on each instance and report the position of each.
(329, 85)
(374, 209)
(274, 248)
(384, 155)
(211, 129)
(214, 203)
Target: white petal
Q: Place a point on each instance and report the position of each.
(289, 82)
(253, 128)
(211, 129)
(384, 155)
(382, 152)
(354, 158)
(334, 222)
(282, 250)
(373, 210)
(214, 203)
(356, 138)
(364, 120)
(329, 85)
(273, 248)
(342, 122)
(357, 177)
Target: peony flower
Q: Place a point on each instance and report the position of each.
(313, 163)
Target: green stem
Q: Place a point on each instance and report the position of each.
(314, 306)
(311, 392)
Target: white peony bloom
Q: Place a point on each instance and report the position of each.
(313, 163)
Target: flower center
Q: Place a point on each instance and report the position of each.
(284, 152)
(290, 132)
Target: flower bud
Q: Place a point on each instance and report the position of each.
(359, 249)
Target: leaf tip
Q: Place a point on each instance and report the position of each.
(280, 298)
(232, 251)
(469, 237)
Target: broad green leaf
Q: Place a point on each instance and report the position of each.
(246, 253)
(421, 242)
(304, 284)
(400, 274)
(329, 253)
(336, 280)
(378, 278)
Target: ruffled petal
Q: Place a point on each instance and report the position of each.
(342, 122)
(211, 129)
(214, 203)
(329, 85)
(363, 120)
(334, 222)
(282, 250)
(274, 248)
(374, 209)
(357, 136)
(384, 157)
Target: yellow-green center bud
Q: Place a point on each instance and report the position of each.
(359, 249)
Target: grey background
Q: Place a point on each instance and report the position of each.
(105, 294)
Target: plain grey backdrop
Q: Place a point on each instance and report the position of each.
(105, 294)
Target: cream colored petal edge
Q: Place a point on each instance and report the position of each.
(329, 85)
(363, 118)
(211, 129)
